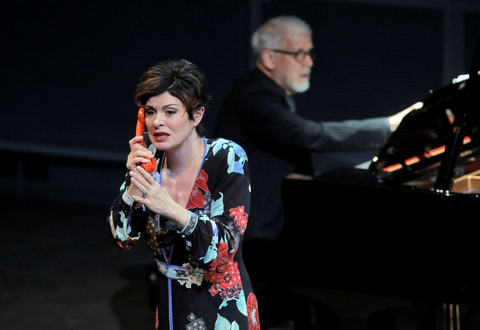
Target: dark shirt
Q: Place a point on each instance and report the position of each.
(258, 115)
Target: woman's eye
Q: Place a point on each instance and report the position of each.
(150, 112)
(170, 112)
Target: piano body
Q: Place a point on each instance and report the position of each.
(408, 225)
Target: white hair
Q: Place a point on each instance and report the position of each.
(273, 33)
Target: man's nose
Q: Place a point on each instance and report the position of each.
(308, 60)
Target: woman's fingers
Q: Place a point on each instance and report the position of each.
(138, 153)
(135, 140)
(142, 179)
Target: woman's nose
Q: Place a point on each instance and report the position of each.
(159, 120)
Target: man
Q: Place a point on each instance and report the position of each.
(259, 114)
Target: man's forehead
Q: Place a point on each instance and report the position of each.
(299, 41)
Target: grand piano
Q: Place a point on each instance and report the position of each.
(406, 225)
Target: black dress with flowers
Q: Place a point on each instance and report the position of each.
(203, 283)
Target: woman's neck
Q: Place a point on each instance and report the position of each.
(186, 156)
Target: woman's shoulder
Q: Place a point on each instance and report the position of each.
(221, 145)
(226, 156)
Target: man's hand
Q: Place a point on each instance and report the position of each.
(396, 119)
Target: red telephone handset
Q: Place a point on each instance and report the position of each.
(151, 165)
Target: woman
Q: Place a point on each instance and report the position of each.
(192, 210)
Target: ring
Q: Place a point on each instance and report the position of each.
(145, 194)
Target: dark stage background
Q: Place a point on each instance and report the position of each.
(68, 75)
(70, 68)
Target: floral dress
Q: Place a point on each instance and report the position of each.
(204, 282)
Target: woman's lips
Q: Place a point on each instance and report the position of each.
(160, 136)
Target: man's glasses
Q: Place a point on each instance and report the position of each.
(299, 55)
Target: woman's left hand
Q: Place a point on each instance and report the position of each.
(156, 198)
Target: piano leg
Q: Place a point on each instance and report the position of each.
(471, 318)
(451, 316)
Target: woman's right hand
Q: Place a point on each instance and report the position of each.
(138, 153)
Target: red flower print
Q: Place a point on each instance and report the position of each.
(224, 274)
(126, 245)
(196, 197)
(252, 312)
(240, 218)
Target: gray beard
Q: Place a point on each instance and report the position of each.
(299, 88)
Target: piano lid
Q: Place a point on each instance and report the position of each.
(423, 133)
(442, 131)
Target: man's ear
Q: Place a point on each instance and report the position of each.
(268, 59)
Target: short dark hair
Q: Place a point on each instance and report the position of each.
(182, 79)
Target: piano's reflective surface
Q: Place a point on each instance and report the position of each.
(437, 146)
